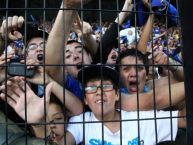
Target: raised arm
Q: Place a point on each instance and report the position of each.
(58, 38)
(8, 30)
(145, 35)
(126, 10)
(109, 39)
(56, 42)
(147, 30)
(84, 30)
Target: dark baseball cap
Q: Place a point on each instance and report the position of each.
(32, 30)
(98, 71)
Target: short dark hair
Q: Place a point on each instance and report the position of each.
(75, 41)
(98, 71)
(34, 31)
(55, 100)
(135, 53)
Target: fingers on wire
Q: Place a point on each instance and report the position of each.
(8, 99)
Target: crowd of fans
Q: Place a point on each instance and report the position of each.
(73, 82)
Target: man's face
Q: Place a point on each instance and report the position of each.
(35, 49)
(132, 78)
(106, 97)
(75, 56)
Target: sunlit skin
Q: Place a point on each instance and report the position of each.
(133, 79)
(73, 57)
(95, 100)
(36, 54)
(55, 115)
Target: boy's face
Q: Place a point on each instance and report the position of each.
(106, 97)
(112, 57)
(36, 49)
(75, 56)
(55, 115)
(133, 79)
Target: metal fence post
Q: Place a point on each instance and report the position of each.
(186, 13)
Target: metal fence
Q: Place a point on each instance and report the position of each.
(141, 98)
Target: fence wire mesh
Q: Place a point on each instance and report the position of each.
(92, 72)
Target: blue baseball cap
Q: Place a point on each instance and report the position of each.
(158, 5)
(164, 7)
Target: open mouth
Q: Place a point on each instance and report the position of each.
(79, 65)
(40, 57)
(114, 57)
(100, 101)
(133, 85)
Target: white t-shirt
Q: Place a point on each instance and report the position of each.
(93, 130)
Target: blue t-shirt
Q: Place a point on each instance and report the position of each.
(40, 90)
(71, 84)
(74, 86)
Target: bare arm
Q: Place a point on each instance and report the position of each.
(127, 8)
(182, 118)
(164, 33)
(84, 30)
(145, 35)
(161, 82)
(72, 103)
(89, 39)
(55, 44)
(162, 98)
